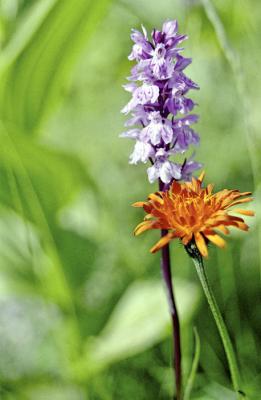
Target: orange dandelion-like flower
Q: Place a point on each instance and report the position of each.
(192, 213)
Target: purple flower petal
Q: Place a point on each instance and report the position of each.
(131, 134)
(189, 167)
(170, 28)
(141, 153)
(182, 62)
(153, 173)
(168, 171)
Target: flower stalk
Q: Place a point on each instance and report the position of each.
(167, 277)
(222, 329)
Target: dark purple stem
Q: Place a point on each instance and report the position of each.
(166, 272)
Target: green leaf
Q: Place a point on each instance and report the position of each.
(36, 182)
(37, 168)
(139, 321)
(34, 82)
(24, 32)
(26, 268)
(54, 391)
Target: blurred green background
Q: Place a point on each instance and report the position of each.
(83, 313)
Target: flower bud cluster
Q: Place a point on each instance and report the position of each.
(159, 107)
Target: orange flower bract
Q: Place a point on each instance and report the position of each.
(190, 212)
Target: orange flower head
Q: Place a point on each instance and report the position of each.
(193, 214)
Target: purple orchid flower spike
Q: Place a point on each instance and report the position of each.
(159, 107)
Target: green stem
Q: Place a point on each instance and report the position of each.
(194, 367)
(230, 354)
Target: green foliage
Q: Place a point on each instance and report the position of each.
(194, 367)
(139, 321)
(83, 314)
(29, 89)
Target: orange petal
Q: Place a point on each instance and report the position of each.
(242, 226)
(139, 204)
(148, 207)
(243, 193)
(234, 218)
(216, 239)
(195, 184)
(223, 229)
(247, 200)
(239, 225)
(142, 227)
(155, 197)
(162, 242)
(244, 212)
(201, 244)
(186, 239)
(176, 187)
(148, 216)
(210, 188)
(201, 176)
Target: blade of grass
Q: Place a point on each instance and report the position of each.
(35, 81)
(18, 206)
(194, 367)
(42, 222)
(24, 32)
(235, 64)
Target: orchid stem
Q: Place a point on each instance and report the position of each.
(222, 329)
(167, 277)
(166, 272)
